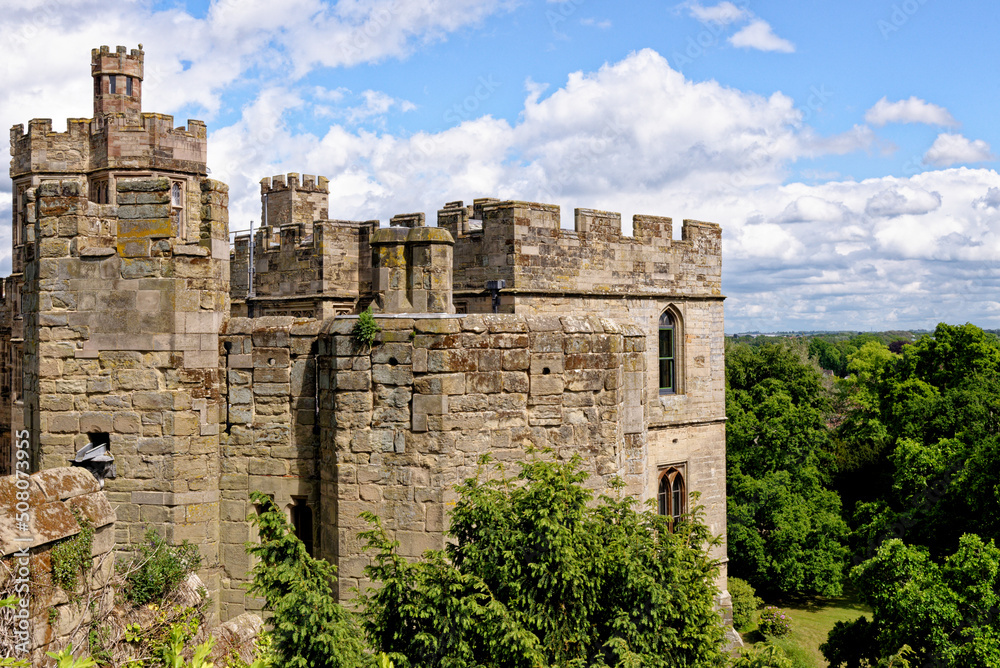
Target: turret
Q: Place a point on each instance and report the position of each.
(117, 83)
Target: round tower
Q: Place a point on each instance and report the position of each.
(117, 82)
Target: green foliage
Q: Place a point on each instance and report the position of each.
(366, 330)
(157, 568)
(745, 602)
(945, 612)
(786, 533)
(762, 655)
(851, 644)
(920, 440)
(71, 558)
(10, 662)
(173, 651)
(773, 622)
(310, 628)
(541, 574)
(64, 659)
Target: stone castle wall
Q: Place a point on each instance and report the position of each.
(59, 499)
(411, 417)
(122, 322)
(270, 434)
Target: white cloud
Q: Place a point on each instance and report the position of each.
(759, 35)
(951, 149)
(594, 23)
(813, 209)
(723, 13)
(901, 200)
(991, 200)
(912, 110)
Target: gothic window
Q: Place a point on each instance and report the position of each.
(672, 494)
(668, 353)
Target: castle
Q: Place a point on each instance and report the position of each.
(214, 369)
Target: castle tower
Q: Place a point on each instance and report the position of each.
(122, 259)
(117, 82)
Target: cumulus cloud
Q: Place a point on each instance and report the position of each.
(901, 200)
(760, 36)
(723, 13)
(912, 110)
(952, 149)
(813, 209)
(991, 200)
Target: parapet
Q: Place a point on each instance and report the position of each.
(523, 244)
(291, 181)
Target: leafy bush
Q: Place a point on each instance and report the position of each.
(762, 656)
(773, 622)
(366, 329)
(158, 568)
(745, 603)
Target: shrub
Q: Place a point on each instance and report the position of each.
(543, 574)
(745, 603)
(773, 622)
(366, 329)
(158, 568)
(762, 656)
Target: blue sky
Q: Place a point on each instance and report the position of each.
(847, 149)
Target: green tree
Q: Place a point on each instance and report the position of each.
(786, 534)
(946, 612)
(542, 574)
(310, 629)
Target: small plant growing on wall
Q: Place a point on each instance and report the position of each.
(71, 558)
(366, 329)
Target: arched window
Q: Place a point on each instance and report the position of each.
(668, 353)
(672, 494)
(175, 194)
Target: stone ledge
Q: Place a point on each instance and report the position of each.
(174, 499)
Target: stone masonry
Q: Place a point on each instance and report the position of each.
(216, 371)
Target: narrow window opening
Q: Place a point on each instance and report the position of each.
(112, 84)
(128, 86)
(302, 521)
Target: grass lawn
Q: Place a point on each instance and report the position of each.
(812, 620)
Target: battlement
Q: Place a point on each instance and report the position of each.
(523, 244)
(147, 141)
(291, 181)
(117, 81)
(487, 215)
